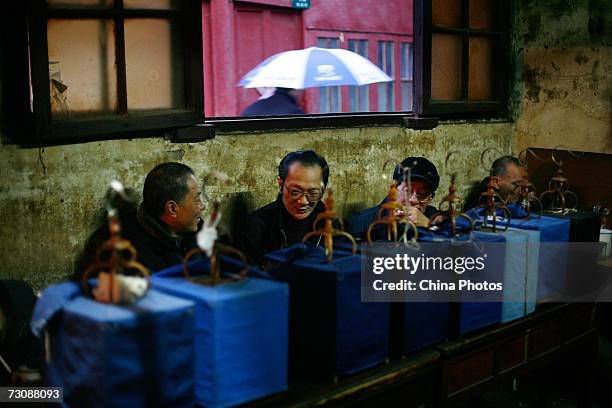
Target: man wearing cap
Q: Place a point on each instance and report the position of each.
(424, 181)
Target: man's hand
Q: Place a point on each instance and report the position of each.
(415, 216)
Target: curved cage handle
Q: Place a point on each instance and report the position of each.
(387, 215)
(485, 167)
(567, 149)
(447, 162)
(110, 256)
(526, 190)
(493, 226)
(208, 245)
(525, 152)
(493, 202)
(452, 201)
(404, 170)
(214, 276)
(527, 196)
(328, 232)
(386, 164)
(562, 197)
(412, 242)
(212, 175)
(558, 186)
(114, 263)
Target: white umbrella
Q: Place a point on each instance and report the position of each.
(312, 67)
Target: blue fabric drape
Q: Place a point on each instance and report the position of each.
(241, 331)
(103, 355)
(332, 331)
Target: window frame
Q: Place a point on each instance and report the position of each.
(464, 108)
(31, 26)
(32, 126)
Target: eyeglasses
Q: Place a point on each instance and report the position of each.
(312, 195)
(422, 196)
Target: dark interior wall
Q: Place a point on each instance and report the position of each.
(562, 92)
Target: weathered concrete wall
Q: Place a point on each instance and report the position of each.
(563, 88)
(47, 215)
(561, 94)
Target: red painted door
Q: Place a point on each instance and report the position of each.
(262, 31)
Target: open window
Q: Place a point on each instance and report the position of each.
(77, 70)
(103, 68)
(462, 57)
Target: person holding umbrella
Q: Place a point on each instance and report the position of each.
(295, 70)
(282, 102)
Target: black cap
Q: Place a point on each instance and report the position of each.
(420, 168)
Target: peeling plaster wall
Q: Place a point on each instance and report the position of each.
(47, 216)
(561, 93)
(563, 87)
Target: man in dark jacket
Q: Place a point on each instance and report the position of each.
(163, 228)
(424, 181)
(302, 178)
(283, 102)
(507, 173)
(19, 349)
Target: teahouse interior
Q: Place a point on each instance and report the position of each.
(557, 91)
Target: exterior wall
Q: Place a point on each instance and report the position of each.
(367, 16)
(564, 61)
(47, 215)
(228, 55)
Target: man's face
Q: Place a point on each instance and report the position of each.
(421, 194)
(189, 209)
(510, 182)
(302, 189)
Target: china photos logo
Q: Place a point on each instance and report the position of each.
(327, 73)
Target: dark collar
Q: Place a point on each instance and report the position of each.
(284, 216)
(157, 228)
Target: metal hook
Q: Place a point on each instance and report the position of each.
(525, 152)
(117, 254)
(328, 231)
(567, 149)
(482, 157)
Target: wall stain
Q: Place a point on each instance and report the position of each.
(555, 93)
(533, 28)
(530, 79)
(581, 59)
(43, 246)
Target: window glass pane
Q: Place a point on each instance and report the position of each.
(154, 69)
(153, 4)
(82, 4)
(446, 13)
(386, 101)
(358, 95)
(407, 75)
(481, 14)
(446, 67)
(481, 69)
(330, 99)
(81, 67)
(407, 95)
(389, 59)
(407, 64)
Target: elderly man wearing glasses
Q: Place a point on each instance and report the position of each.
(424, 181)
(302, 177)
